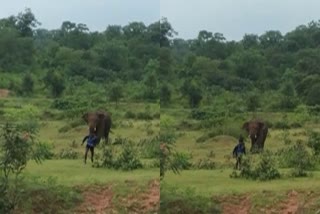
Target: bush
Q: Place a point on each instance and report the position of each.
(281, 125)
(130, 115)
(144, 116)
(128, 158)
(182, 160)
(68, 154)
(45, 150)
(150, 147)
(296, 156)
(205, 164)
(314, 142)
(177, 201)
(45, 194)
(264, 170)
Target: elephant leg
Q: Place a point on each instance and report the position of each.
(261, 139)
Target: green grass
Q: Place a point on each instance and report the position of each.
(75, 172)
(218, 182)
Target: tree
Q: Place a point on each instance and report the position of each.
(16, 148)
(55, 82)
(165, 95)
(191, 90)
(116, 93)
(151, 79)
(27, 86)
(26, 22)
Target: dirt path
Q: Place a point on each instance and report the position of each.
(96, 199)
(99, 200)
(291, 205)
(144, 202)
(236, 204)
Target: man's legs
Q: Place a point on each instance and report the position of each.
(86, 154)
(92, 153)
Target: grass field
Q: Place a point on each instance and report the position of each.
(92, 182)
(246, 196)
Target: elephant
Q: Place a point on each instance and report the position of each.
(99, 122)
(257, 131)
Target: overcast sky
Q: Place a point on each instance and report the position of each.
(233, 18)
(97, 14)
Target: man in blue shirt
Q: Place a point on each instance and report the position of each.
(91, 143)
(238, 151)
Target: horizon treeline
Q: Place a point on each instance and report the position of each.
(139, 62)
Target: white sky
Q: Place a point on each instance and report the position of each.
(96, 14)
(233, 18)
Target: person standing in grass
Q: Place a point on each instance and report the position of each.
(91, 143)
(238, 151)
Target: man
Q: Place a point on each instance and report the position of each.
(91, 143)
(238, 151)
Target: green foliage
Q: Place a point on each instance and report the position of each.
(298, 158)
(192, 90)
(174, 200)
(264, 170)
(68, 153)
(116, 92)
(27, 87)
(55, 82)
(150, 147)
(165, 95)
(45, 193)
(182, 160)
(167, 140)
(128, 159)
(314, 142)
(253, 101)
(16, 148)
(44, 150)
(206, 163)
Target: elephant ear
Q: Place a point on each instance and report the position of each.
(85, 117)
(245, 126)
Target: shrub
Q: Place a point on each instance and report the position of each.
(128, 159)
(281, 125)
(45, 150)
(150, 147)
(130, 115)
(177, 201)
(68, 154)
(296, 156)
(182, 160)
(205, 164)
(264, 170)
(107, 158)
(144, 116)
(45, 193)
(314, 142)
(16, 149)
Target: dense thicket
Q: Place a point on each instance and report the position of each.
(139, 62)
